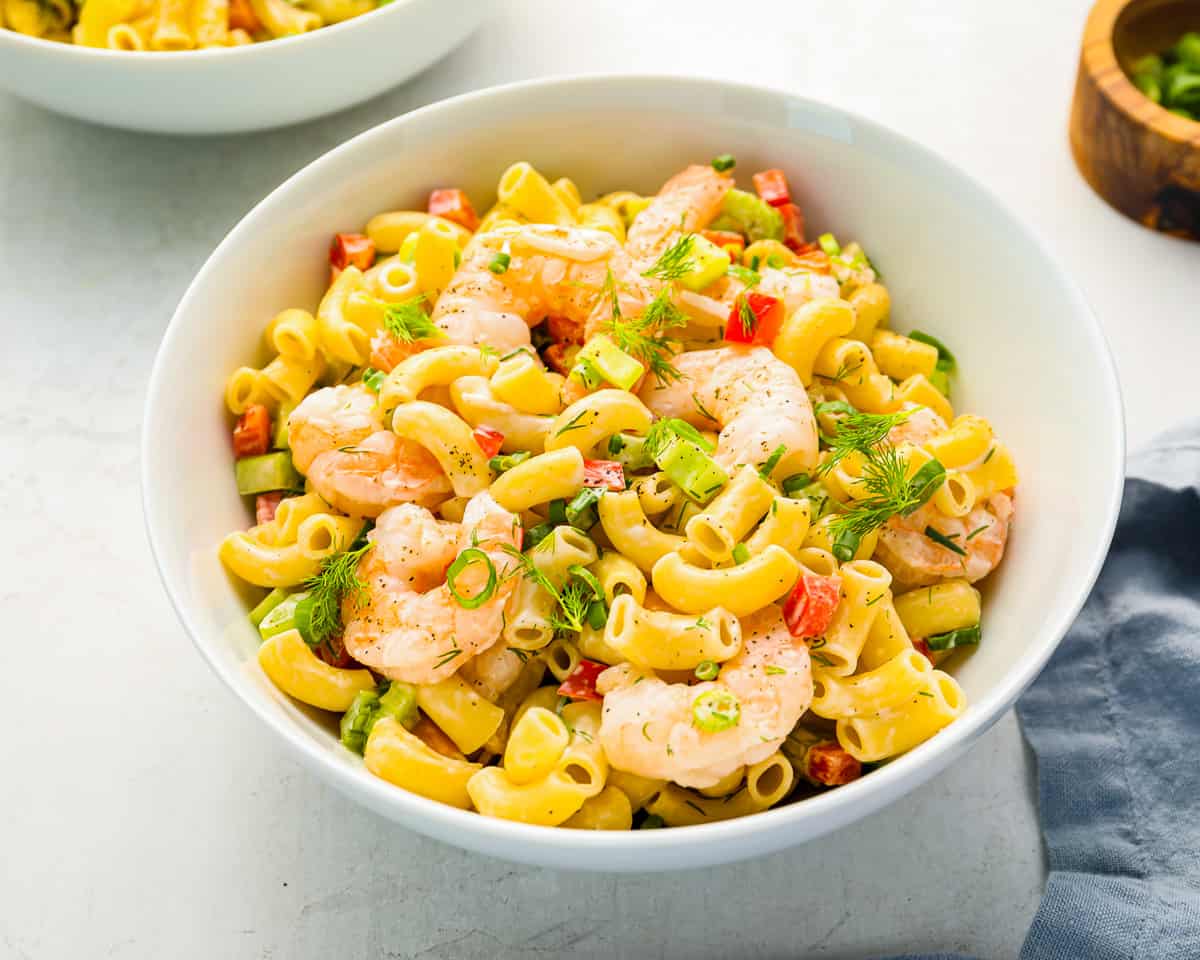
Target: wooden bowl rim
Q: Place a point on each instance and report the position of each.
(1100, 61)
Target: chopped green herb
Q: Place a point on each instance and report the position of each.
(500, 263)
(675, 262)
(373, 379)
(465, 559)
(408, 322)
(507, 461)
(707, 670)
(964, 637)
(337, 579)
(723, 162)
(942, 540)
(741, 553)
(716, 710)
(774, 671)
(772, 462)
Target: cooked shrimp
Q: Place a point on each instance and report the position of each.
(755, 398)
(921, 425)
(338, 441)
(410, 627)
(552, 271)
(915, 560)
(329, 418)
(687, 202)
(647, 725)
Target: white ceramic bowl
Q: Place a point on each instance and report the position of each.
(233, 89)
(959, 265)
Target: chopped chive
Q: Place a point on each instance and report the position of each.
(723, 162)
(940, 538)
(772, 461)
(500, 263)
(707, 670)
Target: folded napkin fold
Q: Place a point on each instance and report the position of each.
(1114, 721)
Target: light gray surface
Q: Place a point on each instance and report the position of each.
(144, 814)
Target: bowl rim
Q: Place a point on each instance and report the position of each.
(166, 59)
(824, 812)
(1098, 57)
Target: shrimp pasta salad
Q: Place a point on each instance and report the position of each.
(171, 25)
(622, 514)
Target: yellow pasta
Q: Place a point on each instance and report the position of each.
(395, 755)
(660, 640)
(526, 191)
(466, 717)
(298, 672)
(940, 608)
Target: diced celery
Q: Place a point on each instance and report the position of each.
(268, 603)
(745, 213)
(282, 617)
(708, 263)
(271, 471)
(357, 722)
(629, 451)
(608, 360)
(400, 701)
(829, 244)
(691, 469)
(584, 371)
(279, 440)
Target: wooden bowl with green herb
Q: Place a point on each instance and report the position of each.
(1134, 128)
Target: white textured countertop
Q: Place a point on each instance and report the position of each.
(143, 812)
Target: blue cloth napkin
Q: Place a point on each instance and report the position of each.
(1114, 721)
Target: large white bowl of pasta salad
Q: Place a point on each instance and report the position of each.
(633, 508)
(220, 66)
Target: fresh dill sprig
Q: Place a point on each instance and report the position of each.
(408, 322)
(642, 337)
(337, 579)
(675, 262)
(573, 602)
(858, 433)
(890, 492)
(663, 431)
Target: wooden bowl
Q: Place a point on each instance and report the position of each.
(1142, 159)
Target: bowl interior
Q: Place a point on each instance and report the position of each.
(1030, 357)
(1151, 26)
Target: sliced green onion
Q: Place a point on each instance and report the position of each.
(581, 512)
(535, 535)
(828, 243)
(942, 540)
(373, 379)
(925, 482)
(795, 483)
(741, 553)
(597, 614)
(723, 162)
(707, 670)
(267, 604)
(500, 263)
(776, 261)
(846, 544)
(507, 461)
(557, 512)
(964, 637)
(357, 722)
(263, 474)
(772, 462)
(716, 710)
(462, 561)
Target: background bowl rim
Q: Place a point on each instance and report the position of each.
(166, 59)
(821, 813)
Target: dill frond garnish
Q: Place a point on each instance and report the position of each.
(573, 602)
(408, 322)
(642, 337)
(858, 433)
(675, 262)
(337, 579)
(891, 492)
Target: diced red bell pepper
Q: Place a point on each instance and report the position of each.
(351, 250)
(453, 205)
(580, 683)
(922, 648)
(809, 607)
(732, 243)
(252, 435)
(793, 226)
(772, 186)
(489, 440)
(768, 317)
(604, 474)
(265, 505)
(334, 653)
(828, 764)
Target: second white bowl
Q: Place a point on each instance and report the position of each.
(235, 89)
